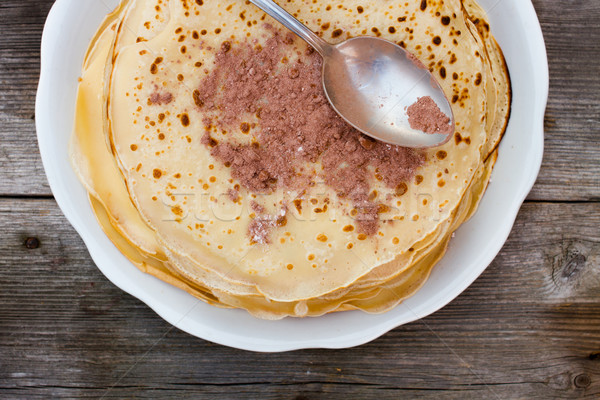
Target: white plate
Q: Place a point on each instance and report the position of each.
(68, 30)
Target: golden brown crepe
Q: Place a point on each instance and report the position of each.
(179, 225)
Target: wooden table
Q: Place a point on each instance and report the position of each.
(529, 327)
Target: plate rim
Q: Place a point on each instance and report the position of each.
(50, 39)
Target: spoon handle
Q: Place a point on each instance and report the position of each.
(287, 20)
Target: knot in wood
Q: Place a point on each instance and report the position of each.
(582, 381)
(32, 243)
(575, 262)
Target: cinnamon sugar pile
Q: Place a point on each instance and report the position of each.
(160, 98)
(261, 226)
(426, 116)
(296, 125)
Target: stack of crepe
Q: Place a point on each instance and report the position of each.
(157, 191)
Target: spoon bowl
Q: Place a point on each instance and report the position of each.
(371, 83)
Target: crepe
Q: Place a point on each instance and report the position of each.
(161, 195)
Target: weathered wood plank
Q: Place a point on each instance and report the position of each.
(21, 24)
(571, 169)
(529, 327)
(571, 166)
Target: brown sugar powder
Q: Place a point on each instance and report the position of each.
(296, 125)
(426, 116)
(259, 229)
(159, 98)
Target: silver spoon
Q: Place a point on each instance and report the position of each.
(371, 82)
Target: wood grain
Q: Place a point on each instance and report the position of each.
(21, 24)
(528, 328)
(571, 166)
